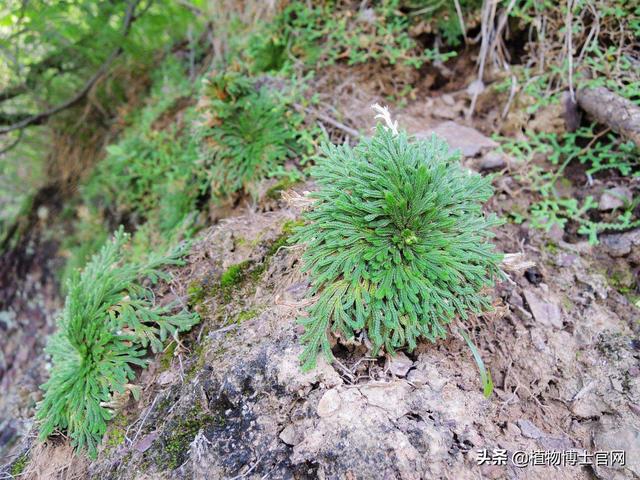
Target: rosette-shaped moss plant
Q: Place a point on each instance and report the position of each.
(109, 319)
(248, 132)
(396, 243)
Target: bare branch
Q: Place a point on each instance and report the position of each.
(610, 109)
(192, 8)
(327, 119)
(13, 118)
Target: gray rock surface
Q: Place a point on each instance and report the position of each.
(468, 140)
(492, 161)
(614, 198)
(544, 310)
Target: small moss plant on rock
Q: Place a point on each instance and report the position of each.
(18, 466)
(396, 242)
(176, 445)
(109, 320)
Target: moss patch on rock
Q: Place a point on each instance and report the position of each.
(20, 463)
(182, 433)
(247, 315)
(288, 228)
(234, 275)
(116, 432)
(198, 359)
(196, 292)
(167, 356)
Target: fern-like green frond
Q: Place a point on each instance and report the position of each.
(108, 321)
(248, 133)
(396, 243)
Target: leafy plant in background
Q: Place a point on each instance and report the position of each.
(150, 179)
(152, 176)
(396, 243)
(57, 48)
(598, 152)
(443, 17)
(54, 55)
(109, 320)
(326, 32)
(548, 212)
(247, 132)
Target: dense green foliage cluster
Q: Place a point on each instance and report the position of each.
(53, 53)
(322, 34)
(150, 179)
(109, 320)
(396, 243)
(327, 32)
(167, 169)
(248, 132)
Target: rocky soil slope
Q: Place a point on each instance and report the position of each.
(230, 402)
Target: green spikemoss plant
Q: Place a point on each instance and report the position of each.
(247, 133)
(109, 320)
(396, 243)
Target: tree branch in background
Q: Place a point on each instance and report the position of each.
(14, 118)
(610, 109)
(187, 4)
(13, 144)
(56, 61)
(40, 118)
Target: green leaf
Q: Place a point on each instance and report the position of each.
(485, 375)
